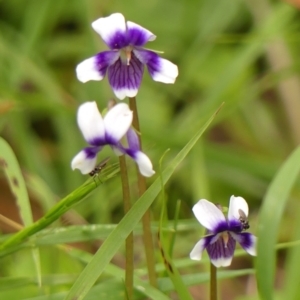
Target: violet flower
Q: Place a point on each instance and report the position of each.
(124, 62)
(98, 132)
(223, 233)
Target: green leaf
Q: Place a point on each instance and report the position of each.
(14, 176)
(16, 181)
(269, 219)
(111, 245)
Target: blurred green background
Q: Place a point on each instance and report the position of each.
(242, 53)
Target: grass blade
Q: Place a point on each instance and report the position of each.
(269, 219)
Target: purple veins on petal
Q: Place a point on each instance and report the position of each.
(126, 79)
(222, 250)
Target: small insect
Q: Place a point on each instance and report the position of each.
(99, 167)
(243, 219)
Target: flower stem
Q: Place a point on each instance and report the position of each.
(213, 282)
(148, 241)
(129, 269)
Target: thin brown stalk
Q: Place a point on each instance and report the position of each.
(147, 236)
(129, 268)
(213, 282)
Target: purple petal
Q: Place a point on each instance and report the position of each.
(210, 216)
(112, 29)
(125, 79)
(117, 122)
(247, 241)
(94, 68)
(160, 69)
(221, 251)
(137, 35)
(85, 160)
(91, 123)
(133, 140)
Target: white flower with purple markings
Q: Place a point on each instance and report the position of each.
(98, 132)
(124, 62)
(223, 233)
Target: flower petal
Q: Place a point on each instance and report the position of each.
(117, 122)
(160, 69)
(196, 253)
(144, 163)
(84, 162)
(91, 123)
(87, 70)
(222, 250)
(112, 29)
(124, 79)
(133, 140)
(94, 68)
(247, 241)
(209, 215)
(137, 35)
(236, 205)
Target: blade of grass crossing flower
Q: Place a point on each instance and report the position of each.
(111, 245)
(58, 210)
(14, 176)
(269, 218)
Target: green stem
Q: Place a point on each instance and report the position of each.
(148, 240)
(129, 269)
(56, 211)
(213, 282)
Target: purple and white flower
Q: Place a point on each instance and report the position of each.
(223, 233)
(124, 62)
(98, 132)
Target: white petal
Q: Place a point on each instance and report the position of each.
(208, 214)
(125, 92)
(90, 121)
(144, 164)
(196, 253)
(87, 70)
(236, 204)
(107, 27)
(222, 262)
(84, 164)
(166, 73)
(117, 121)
